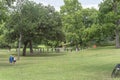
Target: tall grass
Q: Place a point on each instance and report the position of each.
(89, 64)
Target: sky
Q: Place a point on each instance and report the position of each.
(58, 3)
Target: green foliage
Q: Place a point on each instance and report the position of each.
(9, 2)
(72, 20)
(70, 7)
(107, 12)
(3, 18)
(74, 25)
(109, 16)
(89, 17)
(3, 12)
(80, 25)
(36, 22)
(92, 31)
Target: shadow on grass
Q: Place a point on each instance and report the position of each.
(45, 55)
(106, 47)
(5, 64)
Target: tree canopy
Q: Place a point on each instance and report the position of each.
(32, 24)
(110, 17)
(36, 23)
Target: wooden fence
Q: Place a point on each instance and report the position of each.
(57, 50)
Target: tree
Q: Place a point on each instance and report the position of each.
(90, 21)
(3, 18)
(110, 15)
(36, 23)
(72, 21)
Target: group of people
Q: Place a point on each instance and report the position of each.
(12, 59)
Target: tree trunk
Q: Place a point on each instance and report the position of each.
(117, 24)
(19, 46)
(117, 38)
(31, 48)
(77, 48)
(24, 49)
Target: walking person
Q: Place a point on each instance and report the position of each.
(11, 58)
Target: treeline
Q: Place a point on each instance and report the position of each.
(30, 24)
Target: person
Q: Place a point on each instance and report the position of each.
(14, 59)
(11, 59)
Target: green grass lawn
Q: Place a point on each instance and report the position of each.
(90, 64)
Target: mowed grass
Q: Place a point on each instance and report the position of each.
(89, 64)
